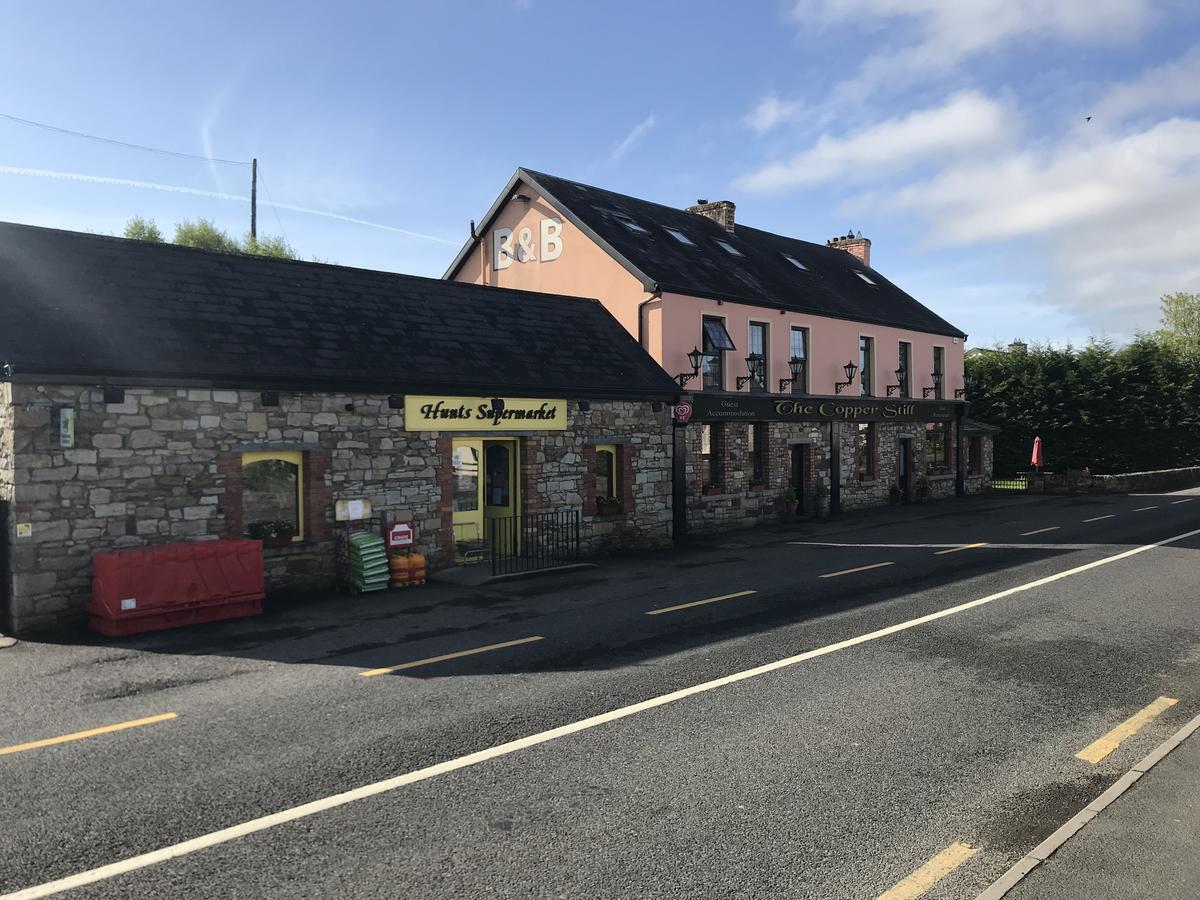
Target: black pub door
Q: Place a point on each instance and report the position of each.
(799, 471)
(903, 465)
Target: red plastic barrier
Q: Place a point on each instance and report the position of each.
(172, 585)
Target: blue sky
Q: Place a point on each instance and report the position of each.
(950, 132)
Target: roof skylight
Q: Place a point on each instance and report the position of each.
(795, 262)
(679, 236)
(629, 223)
(729, 248)
(863, 276)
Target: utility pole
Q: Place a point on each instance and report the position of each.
(254, 199)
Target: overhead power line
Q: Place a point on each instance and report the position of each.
(217, 195)
(104, 140)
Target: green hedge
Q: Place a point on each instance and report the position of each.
(1129, 410)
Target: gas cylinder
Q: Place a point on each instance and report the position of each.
(416, 568)
(398, 567)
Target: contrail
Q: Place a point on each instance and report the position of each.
(179, 189)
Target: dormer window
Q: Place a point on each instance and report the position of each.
(729, 248)
(679, 236)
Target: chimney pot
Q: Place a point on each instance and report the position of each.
(859, 246)
(720, 211)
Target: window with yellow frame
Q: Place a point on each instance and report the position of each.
(608, 478)
(273, 495)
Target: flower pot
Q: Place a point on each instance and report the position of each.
(791, 507)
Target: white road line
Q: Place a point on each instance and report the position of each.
(1184, 500)
(212, 839)
(1098, 518)
(881, 546)
(1041, 530)
(1144, 508)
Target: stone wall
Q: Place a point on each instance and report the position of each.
(1127, 483)
(736, 502)
(6, 495)
(981, 483)
(165, 465)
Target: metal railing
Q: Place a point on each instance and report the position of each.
(533, 541)
(1018, 482)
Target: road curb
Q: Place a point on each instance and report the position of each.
(1075, 824)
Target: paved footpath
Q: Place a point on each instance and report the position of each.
(1145, 845)
(887, 706)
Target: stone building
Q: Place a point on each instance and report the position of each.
(808, 368)
(152, 393)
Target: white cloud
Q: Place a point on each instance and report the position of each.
(1173, 86)
(966, 122)
(944, 33)
(639, 131)
(1111, 215)
(772, 111)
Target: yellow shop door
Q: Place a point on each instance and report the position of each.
(485, 488)
(501, 492)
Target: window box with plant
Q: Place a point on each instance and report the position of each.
(275, 533)
(608, 506)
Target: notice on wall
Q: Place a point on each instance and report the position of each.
(24, 529)
(352, 510)
(483, 414)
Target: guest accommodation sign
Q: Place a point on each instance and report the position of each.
(483, 414)
(765, 408)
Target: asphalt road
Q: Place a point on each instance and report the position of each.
(837, 774)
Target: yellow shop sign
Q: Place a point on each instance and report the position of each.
(483, 414)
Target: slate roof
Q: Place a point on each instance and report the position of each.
(761, 276)
(95, 307)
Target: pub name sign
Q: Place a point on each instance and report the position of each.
(715, 408)
(483, 414)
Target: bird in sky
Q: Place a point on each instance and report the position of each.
(1087, 118)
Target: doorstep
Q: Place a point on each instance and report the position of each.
(478, 576)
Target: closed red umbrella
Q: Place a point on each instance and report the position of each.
(1036, 460)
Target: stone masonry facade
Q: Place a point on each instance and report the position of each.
(735, 501)
(165, 465)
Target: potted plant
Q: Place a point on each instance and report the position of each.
(275, 533)
(608, 506)
(894, 494)
(822, 493)
(923, 490)
(790, 501)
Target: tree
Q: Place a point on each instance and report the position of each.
(204, 235)
(139, 229)
(1181, 323)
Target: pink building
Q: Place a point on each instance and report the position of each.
(807, 368)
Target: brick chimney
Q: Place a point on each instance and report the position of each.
(720, 211)
(855, 245)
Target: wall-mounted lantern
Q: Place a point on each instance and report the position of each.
(937, 383)
(850, 369)
(895, 388)
(694, 360)
(754, 365)
(796, 364)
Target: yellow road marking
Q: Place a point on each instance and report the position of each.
(1097, 750)
(859, 569)
(446, 656)
(1040, 531)
(1098, 518)
(667, 609)
(963, 547)
(1144, 508)
(91, 732)
(931, 873)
